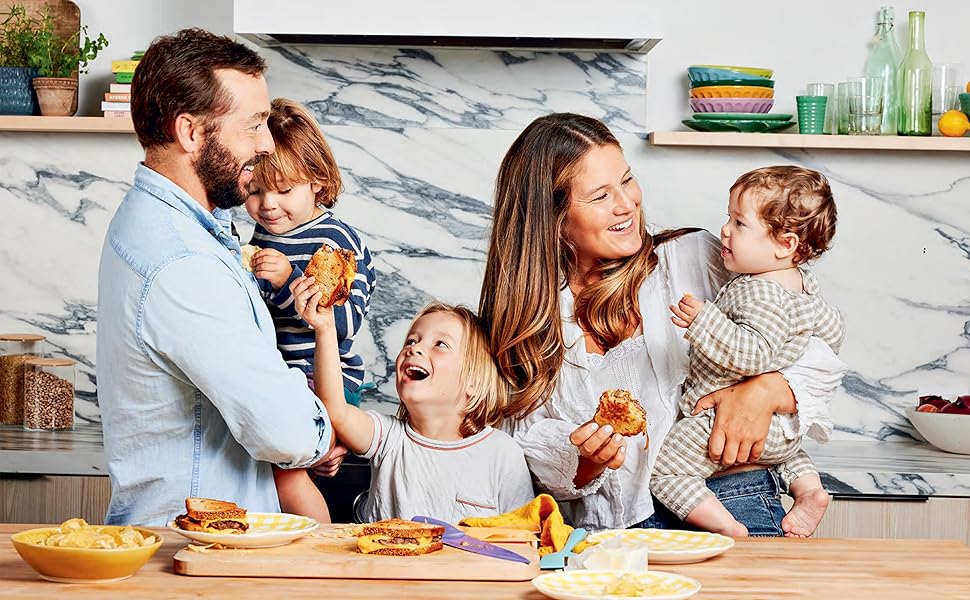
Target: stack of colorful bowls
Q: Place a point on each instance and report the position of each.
(733, 98)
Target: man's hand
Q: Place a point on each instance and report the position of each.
(273, 266)
(742, 415)
(686, 311)
(331, 461)
(599, 449)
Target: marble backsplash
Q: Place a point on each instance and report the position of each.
(419, 135)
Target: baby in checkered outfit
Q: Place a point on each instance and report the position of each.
(761, 321)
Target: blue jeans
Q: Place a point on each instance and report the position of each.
(751, 496)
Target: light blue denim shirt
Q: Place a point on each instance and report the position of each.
(195, 398)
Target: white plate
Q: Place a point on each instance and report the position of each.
(671, 546)
(265, 531)
(586, 585)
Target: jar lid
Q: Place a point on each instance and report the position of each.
(21, 337)
(50, 362)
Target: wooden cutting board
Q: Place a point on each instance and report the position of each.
(323, 556)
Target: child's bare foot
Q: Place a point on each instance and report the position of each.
(710, 515)
(806, 513)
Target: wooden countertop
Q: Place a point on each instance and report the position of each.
(754, 568)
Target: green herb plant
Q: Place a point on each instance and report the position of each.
(18, 37)
(55, 56)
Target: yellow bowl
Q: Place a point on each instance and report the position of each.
(81, 565)
(732, 91)
(756, 71)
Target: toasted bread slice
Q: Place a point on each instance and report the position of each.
(621, 410)
(334, 271)
(399, 537)
(212, 516)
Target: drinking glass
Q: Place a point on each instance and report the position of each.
(865, 105)
(831, 107)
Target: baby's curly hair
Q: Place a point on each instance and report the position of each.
(793, 200)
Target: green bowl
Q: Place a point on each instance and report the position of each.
(965, 103)
(753, 82)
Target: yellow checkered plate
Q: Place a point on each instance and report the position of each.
(624, 585)
(265, 531)
(671, 546)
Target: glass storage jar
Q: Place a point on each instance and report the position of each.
(15, 349)
(49, 393)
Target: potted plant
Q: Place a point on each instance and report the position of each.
(58, 59)
(17, 42)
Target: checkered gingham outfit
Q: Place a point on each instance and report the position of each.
(754, 326)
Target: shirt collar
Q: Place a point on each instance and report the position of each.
(218, 223)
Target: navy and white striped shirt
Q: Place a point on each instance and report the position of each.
(294, 337)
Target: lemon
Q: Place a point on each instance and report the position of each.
(954, 123)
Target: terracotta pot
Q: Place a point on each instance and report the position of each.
(57, 96)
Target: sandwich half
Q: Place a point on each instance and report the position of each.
(334, 271)
(212, 516)
(398, 537)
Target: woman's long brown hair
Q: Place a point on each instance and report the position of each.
(530, 261)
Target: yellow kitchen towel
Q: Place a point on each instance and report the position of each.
(542, 515)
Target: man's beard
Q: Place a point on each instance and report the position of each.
(219, 172)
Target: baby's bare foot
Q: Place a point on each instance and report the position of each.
(805, 514)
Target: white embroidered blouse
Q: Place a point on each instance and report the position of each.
(652, 366)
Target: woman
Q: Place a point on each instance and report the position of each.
(575, 300)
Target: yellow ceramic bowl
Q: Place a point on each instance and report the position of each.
(81, 565)
(732, 91)
(756, 71)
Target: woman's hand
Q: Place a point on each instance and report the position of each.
(599, 449)
(273, 266)
(306, 298)
(742, 415)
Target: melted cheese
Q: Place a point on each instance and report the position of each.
(370, 543)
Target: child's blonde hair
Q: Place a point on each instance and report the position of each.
(793, 200)
(302, 154)
(478, 371)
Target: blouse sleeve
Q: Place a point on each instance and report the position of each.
(551, 458)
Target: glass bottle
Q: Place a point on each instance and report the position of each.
(883, 61)
(15, 350)
(915, 83)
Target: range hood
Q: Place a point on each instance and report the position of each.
(600, 26)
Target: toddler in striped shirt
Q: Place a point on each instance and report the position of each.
(760, 321)
(290, 198)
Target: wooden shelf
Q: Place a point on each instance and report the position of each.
(66, 124)
(807, 142)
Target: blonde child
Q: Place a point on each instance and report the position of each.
(440, 456)
(291, 195)
(760, 321)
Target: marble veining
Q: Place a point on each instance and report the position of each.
(419, 135)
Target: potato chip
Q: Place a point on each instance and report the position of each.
(76, 533)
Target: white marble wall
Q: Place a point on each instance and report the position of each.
(419, 135)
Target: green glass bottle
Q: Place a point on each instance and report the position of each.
(915, 83)
(883, 61)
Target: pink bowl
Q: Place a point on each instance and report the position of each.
(732, 105)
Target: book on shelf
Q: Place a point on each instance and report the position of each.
(122, 106)
(123, 77)
(116, 97)
(117, 114)
(119, 88)
(123, 66)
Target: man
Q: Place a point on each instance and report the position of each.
(195, 398)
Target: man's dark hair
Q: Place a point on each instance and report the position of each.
(177, 75)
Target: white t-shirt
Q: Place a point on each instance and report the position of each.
(656, 361)
(478, 476)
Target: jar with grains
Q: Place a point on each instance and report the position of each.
(49, 393)
(15, 349)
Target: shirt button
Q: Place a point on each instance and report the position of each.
(234, 252)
